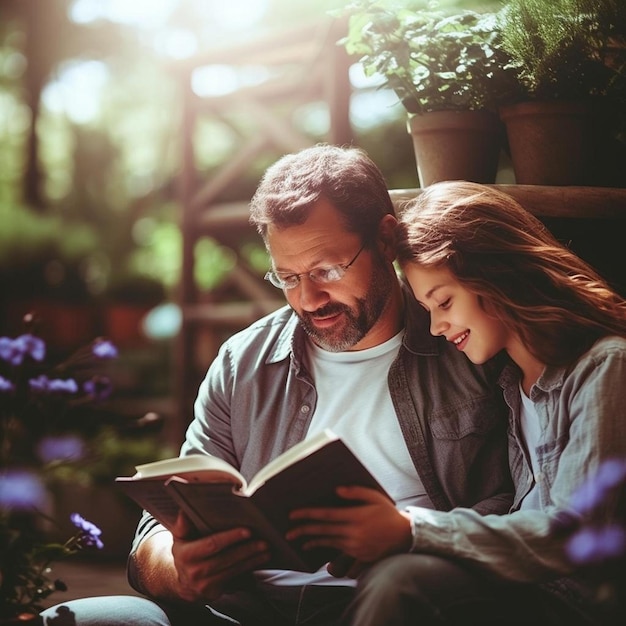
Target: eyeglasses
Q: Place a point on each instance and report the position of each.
(321, 275)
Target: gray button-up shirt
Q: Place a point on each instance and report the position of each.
(583, 421)
(257, 400)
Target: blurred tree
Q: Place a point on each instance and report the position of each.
(49, 37)
(114, 169)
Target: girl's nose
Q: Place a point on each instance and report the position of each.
(437, 324)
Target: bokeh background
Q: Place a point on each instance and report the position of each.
(113, 114)
(121, 123)
(91, 156)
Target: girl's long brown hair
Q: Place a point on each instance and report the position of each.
(558, 305)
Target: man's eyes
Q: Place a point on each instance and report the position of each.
(325, 273)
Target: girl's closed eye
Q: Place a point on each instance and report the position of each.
(445, 304)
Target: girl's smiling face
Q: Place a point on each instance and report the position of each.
(456, 313)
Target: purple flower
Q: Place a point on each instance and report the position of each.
(63, 448)
(31, 345)
(14, 350)
(38, 384)
(98, 387)
(43, 384)
(10, 351)
(21, 490)
(89, 533)
(6, 348)
(58, 385)
(594, 491)
(6, 385)
(104, 349)
(591, 545)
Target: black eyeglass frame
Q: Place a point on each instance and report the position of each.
(339, 269)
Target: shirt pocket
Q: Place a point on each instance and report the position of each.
(548, 457)
(477, 417)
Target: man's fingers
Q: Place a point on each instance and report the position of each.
(183, 529)
(209, 576)
(218, 542)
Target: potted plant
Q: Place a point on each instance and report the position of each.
(43, 263)
(128, 300)
(570, 61)
(449, 72)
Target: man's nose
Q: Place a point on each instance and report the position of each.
(312, 295)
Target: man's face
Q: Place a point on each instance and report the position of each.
(345, 315)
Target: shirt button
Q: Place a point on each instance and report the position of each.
(305, 408)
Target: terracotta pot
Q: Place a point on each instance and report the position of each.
(23, 619)
(122, 324)
(456, 145)
(551, 142)
(64, 326)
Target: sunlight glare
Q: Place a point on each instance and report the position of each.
(77, 91)
(229, 15)
(176, 43)
(219, 80)
(239, 14)
(144, 13)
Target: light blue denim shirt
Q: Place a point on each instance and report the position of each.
(583, 421)
(258, 399)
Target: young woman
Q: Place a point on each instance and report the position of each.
(496, 281)
(500, 288)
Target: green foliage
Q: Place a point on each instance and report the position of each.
(212, 263)
(25, 236)
(111, 453)
(566, 49)
(44, 254)
(433, 60)
(25, 564)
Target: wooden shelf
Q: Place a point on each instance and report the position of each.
(567, 202)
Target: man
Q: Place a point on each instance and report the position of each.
(352, 352)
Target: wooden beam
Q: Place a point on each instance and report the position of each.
(229, 314)
(543, 201)
(230, 172)
(278, 47)
(224, 215)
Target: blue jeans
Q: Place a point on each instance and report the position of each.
(407, 589)
(425, 590)
(265, 605)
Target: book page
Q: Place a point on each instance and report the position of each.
(289, 457)
(194, 468)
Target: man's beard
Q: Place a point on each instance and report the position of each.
(358, 321)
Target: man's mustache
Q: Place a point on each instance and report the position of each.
(328, 310)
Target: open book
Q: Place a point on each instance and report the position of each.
(215, 496)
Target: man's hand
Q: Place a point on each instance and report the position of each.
(368, 531)
(198, 569)
(207, 566)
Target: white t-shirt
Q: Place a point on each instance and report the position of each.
(531, 432)
(354, 401)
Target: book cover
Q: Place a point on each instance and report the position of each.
(216, 501)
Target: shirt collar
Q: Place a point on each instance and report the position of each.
(551, 378)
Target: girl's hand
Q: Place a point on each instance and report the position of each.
(367, 531)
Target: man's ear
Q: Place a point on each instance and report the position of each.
(387, 229)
